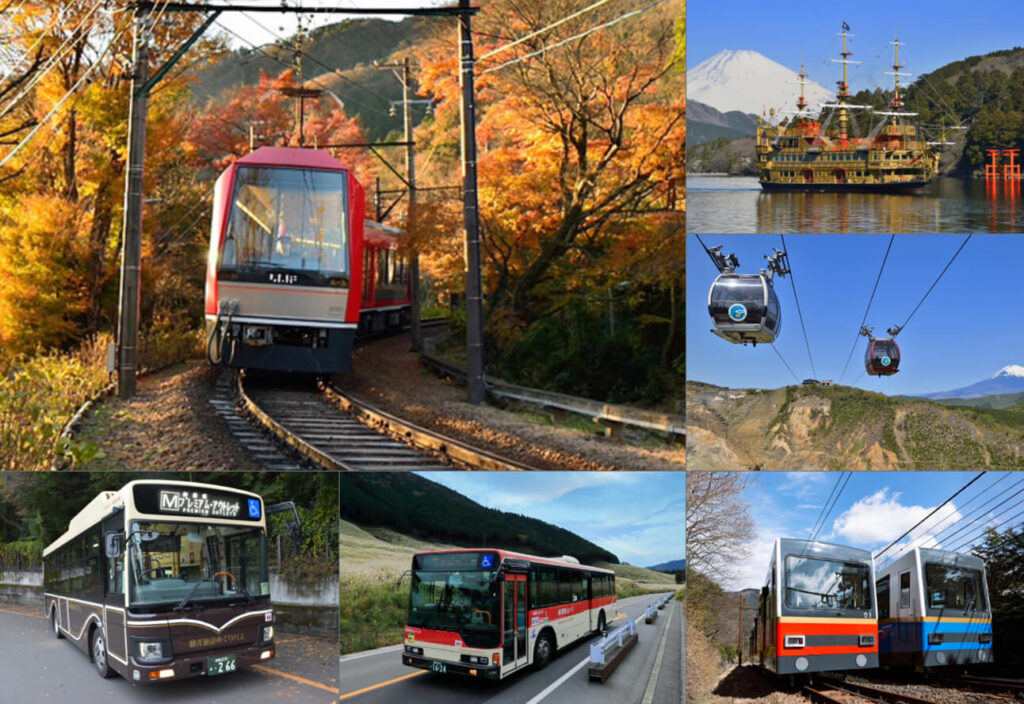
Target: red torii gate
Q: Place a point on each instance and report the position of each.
(1004, 160)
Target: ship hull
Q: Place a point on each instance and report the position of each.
(904, 187)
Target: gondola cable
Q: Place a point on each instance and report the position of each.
(792, 281)
(856, 338)
(898, 328)
(785, 362)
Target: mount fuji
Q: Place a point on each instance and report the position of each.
(750, 83)
(1008, 380)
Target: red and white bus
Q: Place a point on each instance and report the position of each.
(488, 613)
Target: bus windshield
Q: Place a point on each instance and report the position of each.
(464, 601)
(191, 563)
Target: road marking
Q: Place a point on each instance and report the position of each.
(558, 683)
(22, 613)
(368, 653)
(295, 678)
(652, 683)
(561, 680)
(346, 695)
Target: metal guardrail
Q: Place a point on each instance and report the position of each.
(614, 639)
(607, 653)
(651, 613)
(611, 415)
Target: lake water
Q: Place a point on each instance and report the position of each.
(731, 204)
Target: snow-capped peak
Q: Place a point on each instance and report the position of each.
(1010, 370)
(749, 82)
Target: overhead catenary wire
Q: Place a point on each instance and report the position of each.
(800, 314)
(813, 531)
(60, 103)
(834, 502)
(868, 309)
(959, 491)
(573, 38)
(540, 31)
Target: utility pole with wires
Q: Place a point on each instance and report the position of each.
(402, 71)
(131, 252)
(471, 214)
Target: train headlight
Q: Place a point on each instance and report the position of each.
(934, 639)
(984, 637)
(151, 650)
(794, 641)
(866, 641)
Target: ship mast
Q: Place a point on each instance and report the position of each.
(801, 104)
(897, 100)
(843, 95)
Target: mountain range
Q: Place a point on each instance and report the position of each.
(1008, 380)
(705, 123)
(750, 83)
(670, 566)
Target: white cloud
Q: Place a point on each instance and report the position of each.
(749, 572)
(878, 519)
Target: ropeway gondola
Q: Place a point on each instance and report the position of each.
(882, 356)
(744, 307)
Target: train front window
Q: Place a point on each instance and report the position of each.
(196, 563)
(464, 601)
(954, 588)
(287, 219)
(813, 583)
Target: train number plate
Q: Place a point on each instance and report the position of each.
(438, 667)
(221, 664)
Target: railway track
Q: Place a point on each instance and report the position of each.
(834, 692)
(1010, 688)
(334, 430)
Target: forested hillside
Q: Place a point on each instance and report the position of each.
(418, 507)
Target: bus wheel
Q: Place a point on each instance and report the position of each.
(543, 651)
(55, 624)
(600, 622)
(99, 654)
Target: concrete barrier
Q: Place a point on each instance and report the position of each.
(607, 653)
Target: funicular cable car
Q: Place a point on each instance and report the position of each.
(744, 307)
(882, 356)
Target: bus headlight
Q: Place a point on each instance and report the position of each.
(151, 650)
(268, 634)
(413, 650)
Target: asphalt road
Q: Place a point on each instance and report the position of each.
(652, 673)
(38, 666)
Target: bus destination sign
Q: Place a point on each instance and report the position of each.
(196, 502)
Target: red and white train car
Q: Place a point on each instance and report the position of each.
(292, 262)
(488, 613)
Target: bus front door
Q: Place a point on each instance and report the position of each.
(515, 647)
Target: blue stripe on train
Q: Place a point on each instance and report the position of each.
(907, 636)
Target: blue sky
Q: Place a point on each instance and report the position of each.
(638, 516)
(259, 28)
(960, 335)
(936, 32)
(874, 509)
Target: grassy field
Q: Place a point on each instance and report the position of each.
(373, 604)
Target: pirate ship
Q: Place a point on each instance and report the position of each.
(806, 153)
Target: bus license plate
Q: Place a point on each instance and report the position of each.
(221, 664)
(438, 667)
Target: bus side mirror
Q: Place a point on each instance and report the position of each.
(112, 542)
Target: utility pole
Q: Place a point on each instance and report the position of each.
(471, 214)
(415, 333)
(131, 251)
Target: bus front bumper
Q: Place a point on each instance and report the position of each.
(198, 664)
(487, 672)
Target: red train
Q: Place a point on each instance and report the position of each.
(289, 244)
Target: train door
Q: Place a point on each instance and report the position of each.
(514, 642)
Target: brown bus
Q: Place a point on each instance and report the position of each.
(163, 580)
